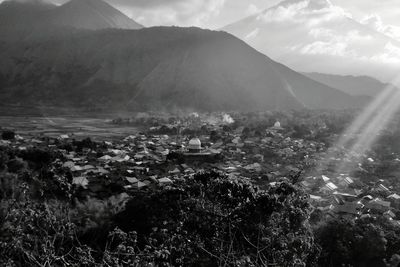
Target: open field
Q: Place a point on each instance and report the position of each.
(95, 128)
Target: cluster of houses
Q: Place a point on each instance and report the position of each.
(349, 198)
(152, 159)
(145, 160)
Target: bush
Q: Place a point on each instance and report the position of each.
(4, 157)
(38, 157)
(213, 220)
(351, 243)
(206, 220)
(40, 234)
(16, 165)
(8, 135)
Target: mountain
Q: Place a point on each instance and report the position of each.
(352, 85)
(79, 14)
(16, 14)
(90, 14)
(317, 36)
(161, 67)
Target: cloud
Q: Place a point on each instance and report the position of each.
(326, 34)
(301, 11)
(283, 13)
(333, 48)
(252, 9)
(375, 22)
(331, 44)
(391, 54)
(351, 36)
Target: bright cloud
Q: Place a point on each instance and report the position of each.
(301, 11)
(281, 14)
(252, 9)
(391, 54)
(375, 22)
(325, 48)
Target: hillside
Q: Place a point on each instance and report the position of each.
(79, 14)
(157, 67)
(352, 85)
(90, 14)
(14, 14)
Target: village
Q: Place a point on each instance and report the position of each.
(170, 152)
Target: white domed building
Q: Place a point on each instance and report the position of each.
(277, 126)
(194, 145)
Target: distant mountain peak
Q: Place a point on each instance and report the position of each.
(26, 3)
(79, 14)
(91, 3)
(93, 15)
(317, 35)
(22, 13)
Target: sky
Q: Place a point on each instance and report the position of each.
(215, 14)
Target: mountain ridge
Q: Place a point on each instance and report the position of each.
(351, 84)
(80, 14)
(160, 66)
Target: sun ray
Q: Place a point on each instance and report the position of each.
(363, 132)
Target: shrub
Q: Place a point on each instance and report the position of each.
(8, 135)
(206, 220)
(214, 220)
(16, 165)
(4, 157)
(38, 157)
(351, 243)
(40, 234)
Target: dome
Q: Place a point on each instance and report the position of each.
(194, 144)
(277, 124)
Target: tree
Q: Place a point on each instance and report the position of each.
(215, 220)
(354, 243)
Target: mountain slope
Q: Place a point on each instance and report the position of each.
(90, 14)
(316, 36)
(157, 67)
(352, 85)
(15, 14)
(79, 14)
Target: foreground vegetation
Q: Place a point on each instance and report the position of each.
(207, 220)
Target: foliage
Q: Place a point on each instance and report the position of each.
(215, 220)
(38, 157)
(39, 234)
(8, 135)
(209, 219)
(353, 243)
